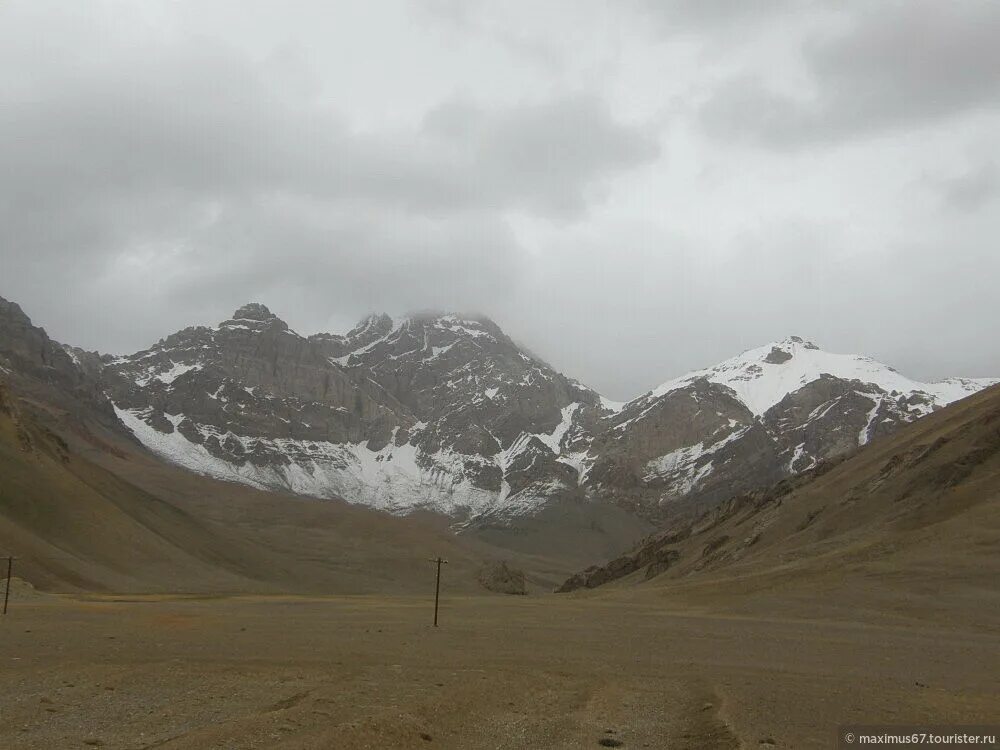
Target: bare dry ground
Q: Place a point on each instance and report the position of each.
(637, 668)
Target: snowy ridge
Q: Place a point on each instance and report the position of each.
(763, 376)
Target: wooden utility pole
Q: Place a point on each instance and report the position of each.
(6, 593)
(437, 588)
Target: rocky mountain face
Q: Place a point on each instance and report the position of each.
(433, 411)
(446, 413)
(769, 413)
(70, 378)
(29, 350)
(484, 406)
(861, 513)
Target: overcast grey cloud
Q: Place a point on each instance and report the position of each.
(887, 65)
(185, 161)
(685, 16)
(477, 18)
(632, 190)
(972, 190)
(199, 119)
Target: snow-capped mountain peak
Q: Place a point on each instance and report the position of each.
(763, 376)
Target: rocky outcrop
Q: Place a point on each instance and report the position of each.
(502, 579)
(653, 556)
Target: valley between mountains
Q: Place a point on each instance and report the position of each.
(796, 540)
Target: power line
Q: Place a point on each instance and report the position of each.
(10, 569)
(437, 588)
(6, 593)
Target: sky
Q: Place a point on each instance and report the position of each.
(632, 189)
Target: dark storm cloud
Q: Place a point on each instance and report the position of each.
(186, 168)
(883, 66)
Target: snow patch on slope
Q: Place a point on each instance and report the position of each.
(613, 406)
(554, 439)
(682, 465)
(865, 435)
(396, 479)
(167, 376)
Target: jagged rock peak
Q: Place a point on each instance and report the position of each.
(431, 316)
(782, 351)
(371, 322)
(463, 324)
(13, 311)
(253, 311)
(793, 340)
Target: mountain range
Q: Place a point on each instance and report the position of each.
(445, 413)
